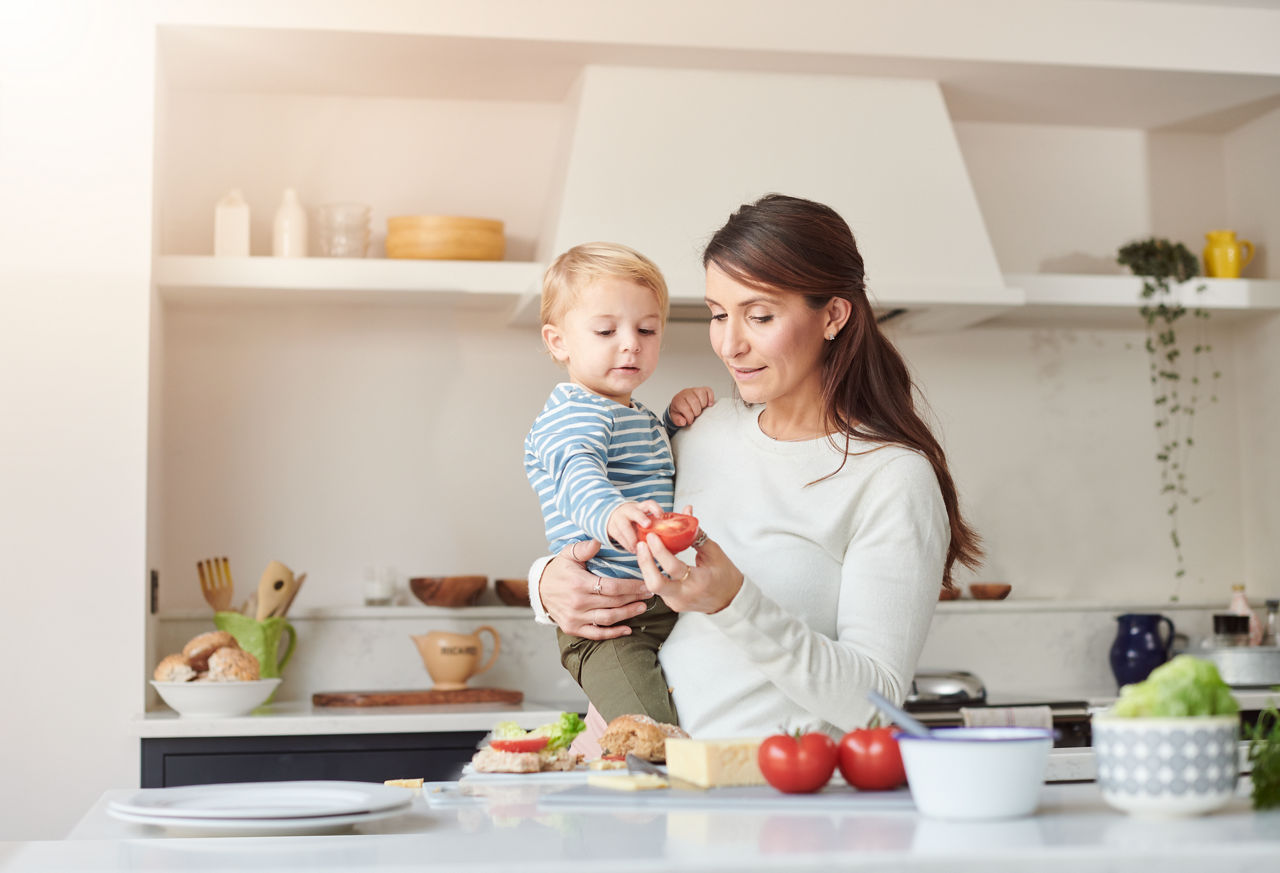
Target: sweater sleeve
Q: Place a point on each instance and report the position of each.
(890, 578)
(574, 453)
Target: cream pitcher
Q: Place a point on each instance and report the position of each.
(1224, 255)
(452, 659)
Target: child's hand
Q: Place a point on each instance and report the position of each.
(689, 403)
(622, 522)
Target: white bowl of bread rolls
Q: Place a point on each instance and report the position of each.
(212, 677)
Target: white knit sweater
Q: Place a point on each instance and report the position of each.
(842, 577)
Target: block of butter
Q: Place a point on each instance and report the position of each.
(714, 763)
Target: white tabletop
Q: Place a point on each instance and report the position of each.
(512, 828)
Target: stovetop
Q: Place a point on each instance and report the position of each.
(954, 704)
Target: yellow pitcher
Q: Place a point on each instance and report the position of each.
(1224, 255)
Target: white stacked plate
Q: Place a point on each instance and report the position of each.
(263, 808)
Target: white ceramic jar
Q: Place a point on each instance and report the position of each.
(289, 237)
(231, 225)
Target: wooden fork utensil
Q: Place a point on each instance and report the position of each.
(215, 583)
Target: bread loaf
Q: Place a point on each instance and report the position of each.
(198, 650)
(174, 668)
(638, 735)
(232, 665)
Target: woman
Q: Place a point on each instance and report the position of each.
(834, 516)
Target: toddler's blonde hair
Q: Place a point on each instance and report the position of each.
(582, 264)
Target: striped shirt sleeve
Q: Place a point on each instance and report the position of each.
(569, 450)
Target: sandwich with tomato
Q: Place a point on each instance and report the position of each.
(512, 749)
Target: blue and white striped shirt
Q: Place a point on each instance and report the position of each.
(585, 455)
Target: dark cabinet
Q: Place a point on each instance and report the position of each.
(174, 761)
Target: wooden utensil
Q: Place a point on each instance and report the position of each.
(215, 583)
(293, 592)
(273, 589)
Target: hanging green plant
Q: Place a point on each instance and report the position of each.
(1175, 376)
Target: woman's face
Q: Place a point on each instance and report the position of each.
(771, 342)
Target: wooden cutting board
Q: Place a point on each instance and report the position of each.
(426, 697)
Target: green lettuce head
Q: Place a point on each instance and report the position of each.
(1185, 686)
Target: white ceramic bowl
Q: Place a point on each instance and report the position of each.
(215, 699)
(976, 773)
(1167, 766)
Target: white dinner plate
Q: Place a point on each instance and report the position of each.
(262, 801)
(256, 827)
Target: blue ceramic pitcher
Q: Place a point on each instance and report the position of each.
(1139, 648)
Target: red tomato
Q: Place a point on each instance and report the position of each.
(520, 744)
(870, 759)
(797, 763)
(675, 529)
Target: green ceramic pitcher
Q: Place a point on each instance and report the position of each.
(260, 638)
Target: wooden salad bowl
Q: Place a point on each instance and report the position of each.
(451, 591)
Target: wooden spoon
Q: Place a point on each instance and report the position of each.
(273, 589)
(293, 592)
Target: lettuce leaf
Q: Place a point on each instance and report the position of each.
(1185, 686)
(563, 731)
(559, 733)
(508, 730)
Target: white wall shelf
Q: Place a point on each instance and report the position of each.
(203, 279)
(1113, 301)
(206, 279)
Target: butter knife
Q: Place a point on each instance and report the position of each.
(636, 764)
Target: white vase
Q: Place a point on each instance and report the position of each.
(289, 239)
(231, 225)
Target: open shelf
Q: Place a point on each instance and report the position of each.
(207, 279)
(1113, 301)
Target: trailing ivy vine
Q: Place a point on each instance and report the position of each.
(1175, 376)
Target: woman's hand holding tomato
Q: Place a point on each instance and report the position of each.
(797, 763)
(707, 584)
(676, 529)
(870, 760)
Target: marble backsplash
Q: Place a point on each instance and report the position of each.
(1038, 648)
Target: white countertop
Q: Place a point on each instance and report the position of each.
(513, 830)
(296, 718)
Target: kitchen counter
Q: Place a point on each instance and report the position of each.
(298, 718)
(515, 829)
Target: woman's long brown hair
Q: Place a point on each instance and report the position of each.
(795, 246)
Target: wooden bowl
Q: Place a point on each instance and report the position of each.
(448, 590)
(512, 592)
(445, 237)
(990, 590)
(949, 594)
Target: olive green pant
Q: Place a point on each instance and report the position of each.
(622, 676)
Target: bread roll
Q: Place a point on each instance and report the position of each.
(232, 665)
(198, 650)
(639, 735)
(174, 668)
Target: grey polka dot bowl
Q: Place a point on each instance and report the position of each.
(1166, 766)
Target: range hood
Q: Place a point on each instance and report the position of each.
(658, 158)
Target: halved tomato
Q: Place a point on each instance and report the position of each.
(676, 530)
(521, 744)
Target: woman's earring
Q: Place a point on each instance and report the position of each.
(830, 337)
